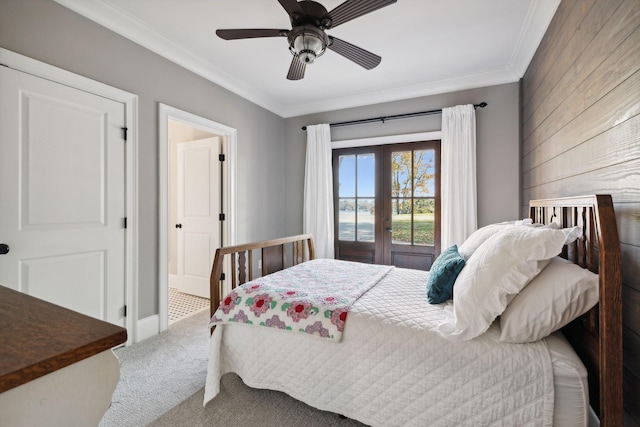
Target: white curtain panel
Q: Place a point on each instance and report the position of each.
(458, 175)
(318, 190)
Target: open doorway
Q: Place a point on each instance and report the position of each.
(197, 175)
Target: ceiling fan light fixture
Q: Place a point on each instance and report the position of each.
(308, 44)
(307, 38)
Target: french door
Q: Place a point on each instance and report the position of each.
(387, 204)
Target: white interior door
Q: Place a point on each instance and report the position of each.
(62, 192)
(198, 194)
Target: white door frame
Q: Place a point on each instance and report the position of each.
(229, 138)
(58, 75)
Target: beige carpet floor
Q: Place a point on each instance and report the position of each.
(240, 406)
(162, 384)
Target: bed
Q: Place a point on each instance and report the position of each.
(398, 360)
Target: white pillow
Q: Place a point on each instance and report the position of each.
(559, 294)
(481, 235)
(571, 234)
(499, 269)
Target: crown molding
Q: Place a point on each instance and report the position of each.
(116, 20)
(473, 81)
(531, 34)
(106, 14)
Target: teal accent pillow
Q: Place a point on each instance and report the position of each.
(443, 275)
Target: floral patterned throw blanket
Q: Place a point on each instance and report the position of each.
(313, 297)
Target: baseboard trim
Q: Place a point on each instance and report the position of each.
(148, 327)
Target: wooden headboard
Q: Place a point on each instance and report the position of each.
(597, 335)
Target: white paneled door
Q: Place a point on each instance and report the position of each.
(198, 194)
(62, 195)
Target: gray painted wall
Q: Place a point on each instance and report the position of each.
(48, 32)
(497, 128)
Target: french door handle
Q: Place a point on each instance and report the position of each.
(4, 249)
(178, 225)
(389, 229)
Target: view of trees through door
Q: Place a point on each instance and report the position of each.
(387, 205)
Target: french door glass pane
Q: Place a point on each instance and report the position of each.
(346, 176)
(356, 192)
(424, 171)
(347, 219)
(423, 221)
(366, 220)
(366, 175)
(401, 220)
(401, 174)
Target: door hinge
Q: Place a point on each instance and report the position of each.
(124, 310)
(124, 222)
(221, 217)
(221, 157)
(222, 276)
(124, 133)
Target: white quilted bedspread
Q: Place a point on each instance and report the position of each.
(390, 368)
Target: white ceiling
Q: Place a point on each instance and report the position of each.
(427, 47)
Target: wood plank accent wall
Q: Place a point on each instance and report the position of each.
(580, 132)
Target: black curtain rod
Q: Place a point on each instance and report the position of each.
(397, 116)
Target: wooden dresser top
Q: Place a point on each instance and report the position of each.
(37, 337)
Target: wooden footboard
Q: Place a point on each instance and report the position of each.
(275, 255)
(597, 335)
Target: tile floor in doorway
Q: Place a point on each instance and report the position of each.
(183, 305)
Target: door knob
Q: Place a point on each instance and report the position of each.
(178, 225)
(389, 229)
(4, 249)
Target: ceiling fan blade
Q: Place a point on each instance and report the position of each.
(352, 9)
(296, 70)
(291, 6)
(362, 57)
(249, 33)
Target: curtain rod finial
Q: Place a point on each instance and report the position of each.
(482, 104)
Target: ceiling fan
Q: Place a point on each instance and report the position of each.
(307, 37)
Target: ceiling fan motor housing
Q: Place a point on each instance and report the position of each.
(307, 42)
(307, 39)
(313, 14)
